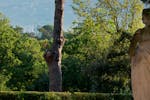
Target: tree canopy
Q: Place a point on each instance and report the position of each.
(95, 55)
(21, 59)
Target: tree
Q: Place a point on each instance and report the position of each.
(53, 56)
(30, 64)
(18, 29)
(46, 31)
(98, 48)
(8, 37)
(22, 65)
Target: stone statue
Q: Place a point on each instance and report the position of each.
(140, 60)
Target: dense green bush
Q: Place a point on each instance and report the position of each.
(16, 95)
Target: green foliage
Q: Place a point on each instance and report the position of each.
(95, 55)
(18, 29)
(21, 59)
(46, 31)
(31, 64)
(61, 96)
(8, 37)
(96, 51)
(120, 14)
(79, 57)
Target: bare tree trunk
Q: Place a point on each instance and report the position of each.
(53, 56)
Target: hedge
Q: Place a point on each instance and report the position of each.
(31, 95)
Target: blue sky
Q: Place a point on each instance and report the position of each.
(33, 13)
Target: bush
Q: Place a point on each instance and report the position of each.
(16, 95)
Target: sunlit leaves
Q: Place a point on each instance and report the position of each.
(98, 48)
(21, 59)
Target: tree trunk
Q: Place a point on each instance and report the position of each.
(53, 56)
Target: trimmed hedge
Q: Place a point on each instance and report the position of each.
(31, 95)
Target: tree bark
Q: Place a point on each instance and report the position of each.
(53, 56)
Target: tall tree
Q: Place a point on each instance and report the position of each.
(102, 37)
(53, 56)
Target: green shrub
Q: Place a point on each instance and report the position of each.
(16, 95)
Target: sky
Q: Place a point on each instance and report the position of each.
(31, 14)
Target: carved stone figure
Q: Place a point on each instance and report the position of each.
(140, 60)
